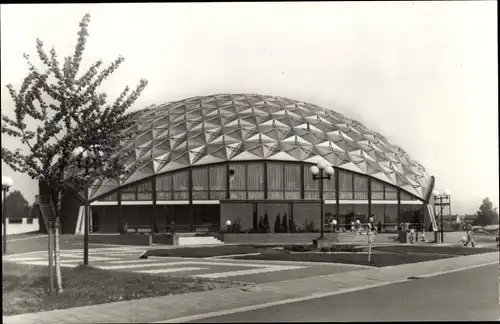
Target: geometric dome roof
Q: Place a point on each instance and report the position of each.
(237, 127)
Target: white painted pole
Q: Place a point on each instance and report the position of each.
(370, 233)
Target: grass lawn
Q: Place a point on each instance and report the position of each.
(454, 250)
(24, 287)
(204, 252)
(40, 244)
(381, 257)
(378, 259)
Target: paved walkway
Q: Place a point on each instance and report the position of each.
(178, 306)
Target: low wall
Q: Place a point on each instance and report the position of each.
(127, 239)
(298, 238)
(303, 238)
(167, 239)
(19, 226)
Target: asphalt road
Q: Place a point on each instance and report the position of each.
(469, 295)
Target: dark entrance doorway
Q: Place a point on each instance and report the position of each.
(206, 218)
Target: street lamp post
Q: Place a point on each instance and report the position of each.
(87, 160)
(6, 184)
(321, 171)
(442, 200)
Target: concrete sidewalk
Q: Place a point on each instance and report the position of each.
(183, 307)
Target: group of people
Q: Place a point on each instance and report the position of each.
(413, 231)
(356, 226)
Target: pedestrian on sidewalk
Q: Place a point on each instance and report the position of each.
(371, 226)
(334, 225)
(423, 234)
(353, 226)
(470, 238)
(412, 235)
(418, 229)
(358, 226)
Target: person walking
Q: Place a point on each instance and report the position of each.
(334, 225)
(470, 238)
(371, 226)
(358, 226)
(400, 228)
(418, 229)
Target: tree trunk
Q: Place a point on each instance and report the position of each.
(57, 258)
(57, 255)
(51, 263)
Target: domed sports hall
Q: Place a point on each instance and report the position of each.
(202, 161)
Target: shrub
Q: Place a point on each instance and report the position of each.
(236, 227)
(124, 228)
(325, 249)
(309, 226)
(284, 225)
(266, 223)
(298, 248)
(299, 229)
(277, 224)
(345, 248)
(292, 226)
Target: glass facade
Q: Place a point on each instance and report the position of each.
(311, 187)
(361, 212)
(145, 190)
(345, 185)
(217, 179)
(293, 183)
(237, 182)
(405, 196)
(361, 187)
(346, 215)
(391, 214)
(391, 193)
(417, 213)
(377, 189)
(110, 197)
(405, 214)
(255, 180)
(128, 193)
(249, 181)
(180, 185)
(275, 181)
(200, 183)
(164, 187)
(263, 182)
(378, 212)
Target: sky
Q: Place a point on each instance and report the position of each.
(423, 74)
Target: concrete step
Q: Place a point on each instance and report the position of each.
(199, 240)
